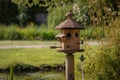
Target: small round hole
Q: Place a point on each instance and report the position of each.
(76, 34)
(68, 35)
(68, 46)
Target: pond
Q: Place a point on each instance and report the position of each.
(40, 75)
(53, 75)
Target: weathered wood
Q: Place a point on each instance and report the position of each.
(72, 38)
(69, 67)
(71, 51)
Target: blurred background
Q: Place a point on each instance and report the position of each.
(27, 29)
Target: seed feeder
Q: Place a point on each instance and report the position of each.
(69, 39)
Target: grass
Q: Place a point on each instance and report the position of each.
(35, 57)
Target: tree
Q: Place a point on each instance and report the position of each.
(96, 11)
(8, 12)
(87, 8)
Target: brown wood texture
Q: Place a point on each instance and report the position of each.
(71, 39)
(69, 67)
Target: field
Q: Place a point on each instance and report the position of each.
(35, 57)
(31, 56)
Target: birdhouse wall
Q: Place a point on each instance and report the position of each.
(72, 39)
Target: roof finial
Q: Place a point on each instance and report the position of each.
(69, 14)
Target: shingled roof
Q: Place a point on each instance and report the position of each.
(69, 23)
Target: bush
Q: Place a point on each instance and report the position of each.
(57, 15)
(13, 32)
(109, 56)
(91, 32)
(50, 35)
(2, 30)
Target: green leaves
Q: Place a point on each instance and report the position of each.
(57, 15)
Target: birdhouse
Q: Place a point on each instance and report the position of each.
(69, 36)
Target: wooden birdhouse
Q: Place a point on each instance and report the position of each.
(69, 36)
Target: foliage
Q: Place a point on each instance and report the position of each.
(104, 64)
(110, 52)
(91, 33)
(29, 33)
(56, 9)
(96, 12)
(20, 14)
(81, 11)
(107, 17)
(23, 17)
(29, 2)
(57, 15)
(11, 72)
(106, 61)
(90, 62)
(8, 12)
(86, 11)
(14, 32)
(48, 3)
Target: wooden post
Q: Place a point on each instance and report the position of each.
(69, 67)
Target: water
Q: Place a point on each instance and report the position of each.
(34, 76)
(53, 75)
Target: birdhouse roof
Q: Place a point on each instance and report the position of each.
(69, 23)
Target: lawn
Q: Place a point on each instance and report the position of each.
(35, 56)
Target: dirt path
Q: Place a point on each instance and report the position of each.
(24, 46)
(37, 45)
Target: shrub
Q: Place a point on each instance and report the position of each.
(14, 32)
(29, 33)
(57, 15)
(91, 32)
(110, 53)
(2, 30)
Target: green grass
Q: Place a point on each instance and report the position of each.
(35, 57)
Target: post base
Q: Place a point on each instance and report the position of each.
(69, 67)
